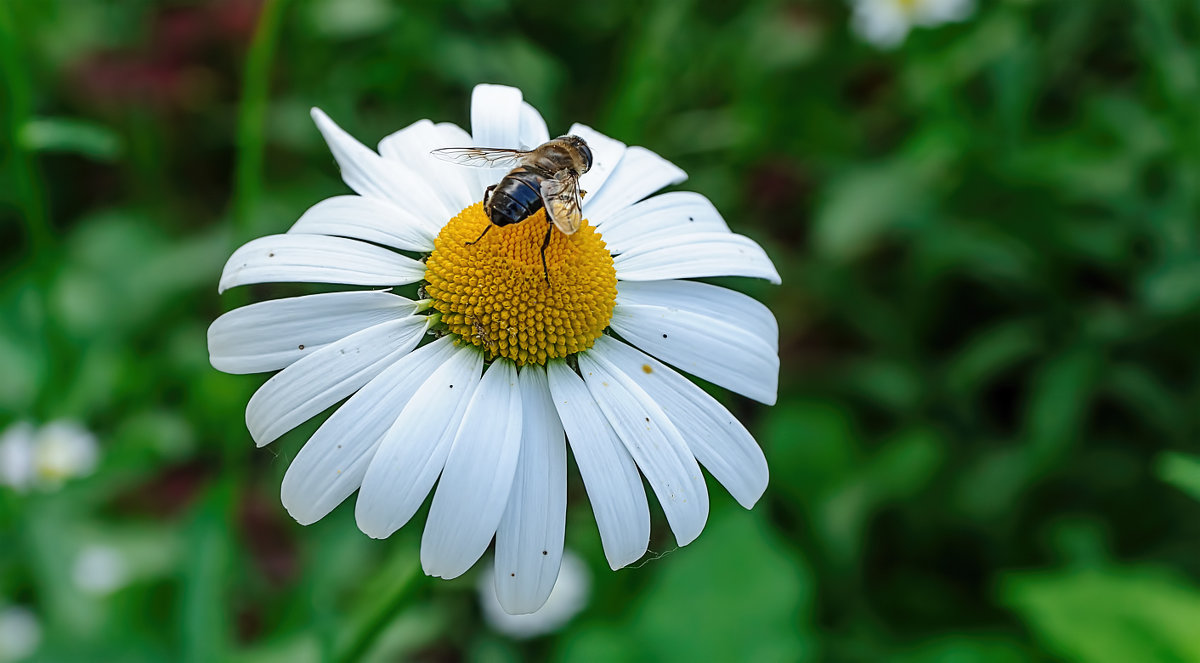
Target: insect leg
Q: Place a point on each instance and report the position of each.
(485, 231)
(545, 243)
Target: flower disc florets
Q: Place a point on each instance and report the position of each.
(495, 295)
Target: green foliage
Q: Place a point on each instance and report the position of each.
(985, 444)
(1110, 616)
(760, 612)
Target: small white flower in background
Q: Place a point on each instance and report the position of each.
(20, 633)
(100, 570)
(886, 23)
(568, 598)
(16, 456)
(46, 457)
(456, 411)
(63, 450)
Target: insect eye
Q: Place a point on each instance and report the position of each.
(587, 157)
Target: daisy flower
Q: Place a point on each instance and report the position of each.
(522, 362)
(46, 457)
(20, 633)
(886, 23)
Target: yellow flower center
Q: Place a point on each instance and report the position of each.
(494, 294)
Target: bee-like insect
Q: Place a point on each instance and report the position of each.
(546, 176)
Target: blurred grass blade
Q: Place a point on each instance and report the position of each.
(16, 103)
(391, 590)
(1181, 471)
(72, 135)
(252, 113)
(204, 614)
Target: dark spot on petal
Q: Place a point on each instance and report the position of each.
(513, 575)
(301, 346)
(545, 553)
(647, 418)
(690, 219)
(664, 335)
(451, 386)
(270, 255)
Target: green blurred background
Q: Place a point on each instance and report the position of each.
(989, 317)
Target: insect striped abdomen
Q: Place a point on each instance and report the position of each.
(517, 197)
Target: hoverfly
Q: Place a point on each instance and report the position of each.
(546, 176)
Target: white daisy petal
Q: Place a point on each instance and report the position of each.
(304, 389)
(371, 175)
(317, 259)
(609, 475)
(533, 130)
(495, 122)
(715, 436)
(529, 541)
(370, 219)
(606, 154)
(709, 348)
(270, 335)
(473, 492)
(452, 185)
(331, 465)
(414, 450)
(653, 441)
(496, 116)
(695, 255)
(676, 212)
(639, 174)
(713, 301)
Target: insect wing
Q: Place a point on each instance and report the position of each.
(563, 203)
(481, 157)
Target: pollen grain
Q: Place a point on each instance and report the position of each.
(494, 294)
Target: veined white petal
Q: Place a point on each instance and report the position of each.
(533, 130)
(639, 174)
(610, 477)
(371, 219)
(332, 463)
(414, 450)
(654, 442)
(529, 541)
(695, 255)
(270, 335)
(706, 347)
(496, 116)
(713, 301)
(452, 185)
(495, 122)
(472, 494)
(371, 175)
(606, 154)
(317, 259)
(570, 596)
(304, 389)
(715, 436)
(675, 212)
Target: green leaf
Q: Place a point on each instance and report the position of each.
(956, 648)
(72, 135)
(1116, 615)
(863, 206)
(733, 595)
(1181, 471)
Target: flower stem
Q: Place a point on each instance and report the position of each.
(399, 582)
